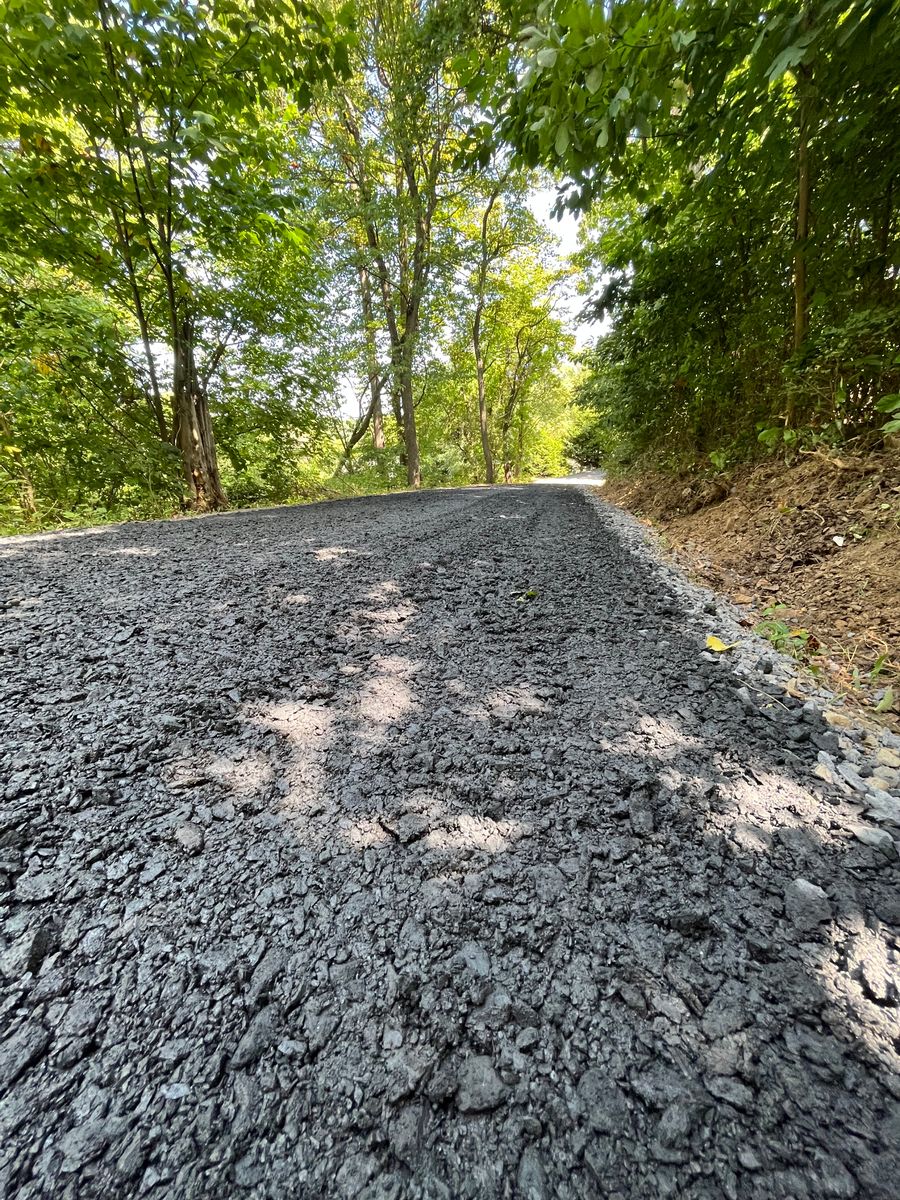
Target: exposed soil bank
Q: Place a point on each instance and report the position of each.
(820, 537)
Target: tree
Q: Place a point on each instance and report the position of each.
(135, 149)
(726, 150)
(391, 135)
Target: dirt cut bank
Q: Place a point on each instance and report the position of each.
(814, 545)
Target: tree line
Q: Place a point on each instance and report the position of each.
(226, 225)
(255, 251)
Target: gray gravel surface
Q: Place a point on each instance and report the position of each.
(415, 847)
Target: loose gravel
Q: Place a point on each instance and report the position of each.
(417, 847)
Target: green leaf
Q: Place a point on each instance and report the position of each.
(547, 57)
(786, 59)
(561, 143)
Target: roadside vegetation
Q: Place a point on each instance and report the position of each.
(255, 253)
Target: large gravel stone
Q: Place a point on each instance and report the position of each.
(807, 904)
(480, 1087)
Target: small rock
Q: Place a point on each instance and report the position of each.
(531, 1179)
(806, 904)
(32, 889)
(603, 1102)
(848, 772)
(267, 970)
(675, 1125)
(411, 827)
(527, 1039)
(882, 807)
(640, 811)
(319, 1028)
(730, 1091)
(152, 871)
(878, 839)
(746, 700)
(476, 958)
(824, 773)
(19, 1052)
(175, 1091)
(888, 758)
(82, 1145)
(392, 1039)
(27, 952)
(261, 1033)
(480, 1087)
(291, 1048)
(190, 837)
(837, 720)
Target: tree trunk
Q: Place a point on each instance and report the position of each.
(403, 360)
(375, 382)
(483, 419)
(476, 338)
(410, 439)
(804, 194)
(193, 426)
(377, 422)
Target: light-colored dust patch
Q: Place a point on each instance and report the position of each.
(652, 737)
(331, 553)
(513, 700)
(304, 723)
(471, 832)
(244, 777)
(387, 695)
(368, 832)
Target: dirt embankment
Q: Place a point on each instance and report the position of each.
(820, 537)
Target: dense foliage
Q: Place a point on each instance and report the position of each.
(259, 251)
(739, 164)
(223, 223)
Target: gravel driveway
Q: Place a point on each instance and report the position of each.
(414, 847)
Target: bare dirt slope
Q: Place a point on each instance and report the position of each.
(821, 538)
(415, 847)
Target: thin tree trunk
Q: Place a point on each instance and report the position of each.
(365, 288)
(884, 240)
(483, 417)
(801, 286)
(476, 345)
(377, 422)
(804, 196)
(193, 426)
(410, 439)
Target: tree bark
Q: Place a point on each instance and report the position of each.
(375, 381)
(476, 342)
(193, 426)
(410, 438)
(804, 196)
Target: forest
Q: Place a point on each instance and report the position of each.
(253, 253)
